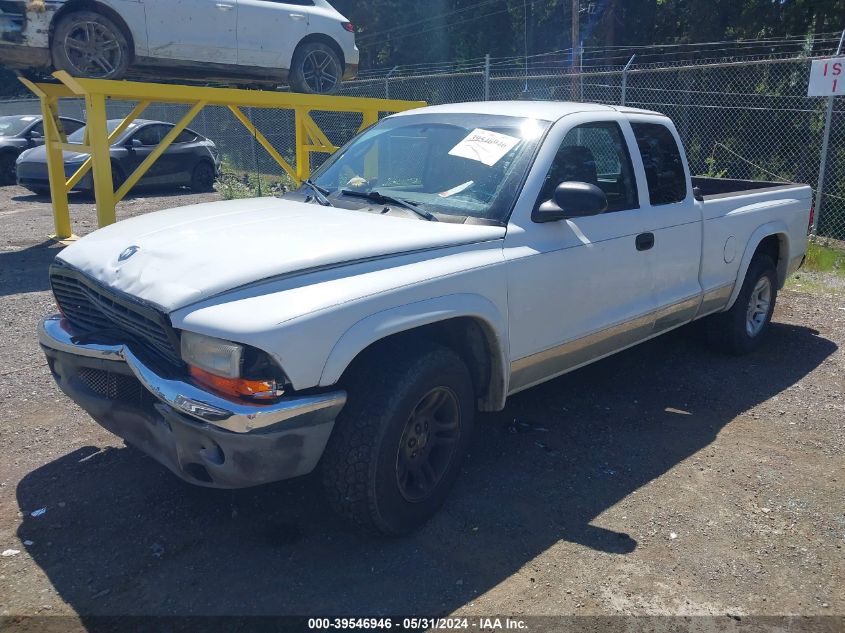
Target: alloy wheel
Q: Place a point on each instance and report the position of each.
(320, 71)
(758, 306)
(428, 443)
(93, 50)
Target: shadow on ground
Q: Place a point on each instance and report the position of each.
(26, 270)
(123, 536)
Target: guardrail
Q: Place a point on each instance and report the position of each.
(310, 138)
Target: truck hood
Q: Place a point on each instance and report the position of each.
(178, 257)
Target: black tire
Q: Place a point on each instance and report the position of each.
(315, 69)
(375, 436)
(8, 173)
(106, 55)
(730, 331)
(203, 177)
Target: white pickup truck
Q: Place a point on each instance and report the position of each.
(444, 259)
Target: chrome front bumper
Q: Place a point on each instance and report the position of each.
(228, 414)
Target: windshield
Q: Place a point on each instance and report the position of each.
(78, 137)
(455, 164)
(14, 125)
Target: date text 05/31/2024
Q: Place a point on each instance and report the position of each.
(422, 624)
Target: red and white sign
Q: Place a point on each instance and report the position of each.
(827, 77)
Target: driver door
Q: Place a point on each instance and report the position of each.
(579, 288)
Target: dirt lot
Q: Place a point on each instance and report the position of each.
(668, 479)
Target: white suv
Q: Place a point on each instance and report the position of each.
(305, 43)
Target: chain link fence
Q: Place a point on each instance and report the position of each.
(747, 119)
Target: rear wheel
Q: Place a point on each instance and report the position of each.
(202, 178)
(88, 44)
(742, 328)
(8, 175)
(315, 69)
(398, 444)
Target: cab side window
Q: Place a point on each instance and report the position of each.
(186, 136)
(71, 126)
(595, 153)
(151, 134)
(664, 168)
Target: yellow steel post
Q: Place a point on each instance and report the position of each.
(56, 170)
(53, 136)
(303, 157)
(98, 141)
(317, 140)
(368, 118)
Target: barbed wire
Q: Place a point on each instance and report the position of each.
(615, 57)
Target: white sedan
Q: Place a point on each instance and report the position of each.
(305, 43)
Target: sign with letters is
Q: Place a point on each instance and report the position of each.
(827, 77)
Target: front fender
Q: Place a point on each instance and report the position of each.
(421, 313)
(776, 227)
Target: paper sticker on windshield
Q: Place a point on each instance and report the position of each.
(28, 118)
(484, 146)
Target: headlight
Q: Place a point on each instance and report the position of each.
(232, 369)
(216, 356)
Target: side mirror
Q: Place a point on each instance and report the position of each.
(571, 200)
(134, 144)
(34, 136)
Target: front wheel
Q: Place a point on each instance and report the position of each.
(88, 44)
(315, 69)
(742, 328)
(398, 444)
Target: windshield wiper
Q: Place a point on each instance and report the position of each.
(380, 198)
(320, 194)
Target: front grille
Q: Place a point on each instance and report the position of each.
(90, 308)
(113, 386)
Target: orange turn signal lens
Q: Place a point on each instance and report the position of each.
(239, 387)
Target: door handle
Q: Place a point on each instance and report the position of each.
(644, 241)
(224, 7)
(297, 16)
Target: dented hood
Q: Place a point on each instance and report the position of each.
(177, 257)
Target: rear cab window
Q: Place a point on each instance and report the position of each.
(664, 167)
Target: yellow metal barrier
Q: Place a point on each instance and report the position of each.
(309, 137)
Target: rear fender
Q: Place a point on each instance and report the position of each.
(776, 227)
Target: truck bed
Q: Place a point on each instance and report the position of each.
(714, 188)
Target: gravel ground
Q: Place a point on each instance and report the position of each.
(665, 480)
